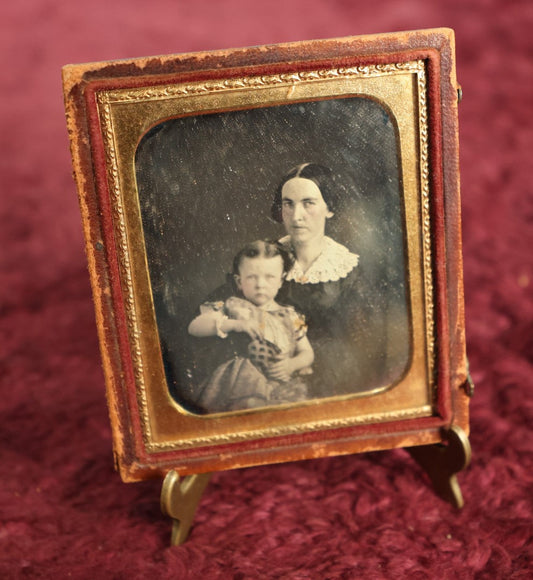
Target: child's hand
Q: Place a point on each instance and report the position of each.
(280, 370)
(251, 327)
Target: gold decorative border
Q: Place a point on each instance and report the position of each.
(424, 411)
(426, 219)
(172, 91)
(106, 98)
(119, 222)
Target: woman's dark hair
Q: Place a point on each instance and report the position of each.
(263, 249)
(320, 175)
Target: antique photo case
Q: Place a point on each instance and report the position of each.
(273, 237)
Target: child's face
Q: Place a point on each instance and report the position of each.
(260, 279)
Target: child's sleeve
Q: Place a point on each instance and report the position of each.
(299, 325)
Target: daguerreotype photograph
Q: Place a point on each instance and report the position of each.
(275, 240)
(273, 249)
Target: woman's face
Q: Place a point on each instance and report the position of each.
(303, 210)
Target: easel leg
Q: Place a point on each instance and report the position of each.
(179, 500)
(443, 461)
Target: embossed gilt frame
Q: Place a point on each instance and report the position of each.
(111, 105)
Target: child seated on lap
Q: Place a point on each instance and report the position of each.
(278, 351)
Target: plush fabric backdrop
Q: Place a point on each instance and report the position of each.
(64, 513)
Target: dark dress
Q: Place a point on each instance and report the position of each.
(338, 319)
(335, 298)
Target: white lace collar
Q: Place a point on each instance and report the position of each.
(333, 263)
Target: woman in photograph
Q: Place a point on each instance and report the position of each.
(326, 283)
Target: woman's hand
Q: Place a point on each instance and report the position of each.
(251, 327)
(280, 370)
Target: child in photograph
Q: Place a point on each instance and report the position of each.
(278, 352)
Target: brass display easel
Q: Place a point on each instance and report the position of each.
(441, 461)
(179, 499)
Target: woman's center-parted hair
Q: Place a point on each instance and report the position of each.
(263, 249)
(320, 175)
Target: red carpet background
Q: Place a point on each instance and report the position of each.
(64, 513)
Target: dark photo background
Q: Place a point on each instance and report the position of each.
(206, 185)
(64, 513)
